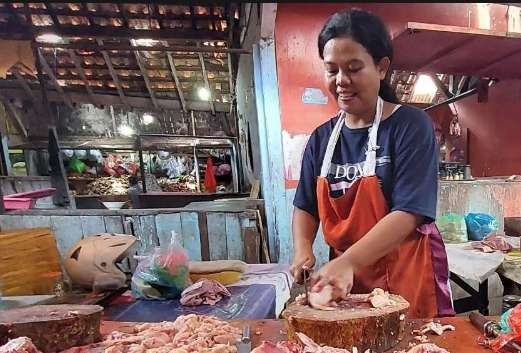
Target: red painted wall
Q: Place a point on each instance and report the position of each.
(298, 66)
(494, 127)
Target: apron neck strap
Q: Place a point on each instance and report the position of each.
(369, 168)
(370, 161)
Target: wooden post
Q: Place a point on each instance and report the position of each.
(5, 165)
(139, 146)
(2, 208)
(45, 101)
(58, 176)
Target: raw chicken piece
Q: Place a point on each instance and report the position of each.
(301, 299)
(311, 346)
(280, 347)
(19, 345)
(427, 348)
(322, 300)
(435, 327)
(379, 298)
(205, 291)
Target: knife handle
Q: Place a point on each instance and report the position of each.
(478, 320)
(246, 333)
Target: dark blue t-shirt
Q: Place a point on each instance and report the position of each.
(406, 165)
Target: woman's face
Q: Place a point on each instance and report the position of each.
(352, 77)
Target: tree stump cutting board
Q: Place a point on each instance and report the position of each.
(53, 328)
(355, 323)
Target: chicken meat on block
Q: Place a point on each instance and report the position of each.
(324, 300)
(187, 334)
(19, 345)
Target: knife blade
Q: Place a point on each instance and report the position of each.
(244, 345)
(305, 275)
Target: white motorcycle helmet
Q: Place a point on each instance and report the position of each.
(93, 262)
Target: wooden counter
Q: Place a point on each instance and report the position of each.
(463, 340)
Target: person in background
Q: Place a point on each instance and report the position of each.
(134, 190)
(369, 178)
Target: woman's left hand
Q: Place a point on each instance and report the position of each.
(338, 273)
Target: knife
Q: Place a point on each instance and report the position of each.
(244, 345)
(305, 275)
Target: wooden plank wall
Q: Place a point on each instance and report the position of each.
(204, 235)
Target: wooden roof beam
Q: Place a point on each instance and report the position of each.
(441, 86)
(48, 71)
(50, 12)
(147, 80)
(119, 32)
(114, 99)
(177, 82)
(138, 16)
(206, 82)
(113, 73)
(123, 14)
(23, 83)
(124, 47)
(15, 117)
(76, 61)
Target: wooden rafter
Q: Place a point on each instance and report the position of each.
(124, 15)
(123, 47)
(15, 117)
(88, 14)
(113, 73)
(159, 20)
(206, 82)
(146, 78)
(76, 61)
(84, 12)
(118, 32)
(177, 82)
(23, 83)
(48, 71)
(152, 80)
(113, 99)
(54, 17)
(441, 86)
(461, 83)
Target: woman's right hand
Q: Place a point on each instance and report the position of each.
(303, 259)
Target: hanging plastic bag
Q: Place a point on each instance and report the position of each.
(162, 274)
(77, 166)
(453, 228)
(479, 225)
(210, 183)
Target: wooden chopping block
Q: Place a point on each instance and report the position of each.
(53, 328)
(355, 323)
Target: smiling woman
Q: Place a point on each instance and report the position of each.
(357, 52)
(369, 178)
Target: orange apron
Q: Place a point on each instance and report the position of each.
(416, 270)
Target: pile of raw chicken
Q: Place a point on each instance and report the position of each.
(187, 334)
